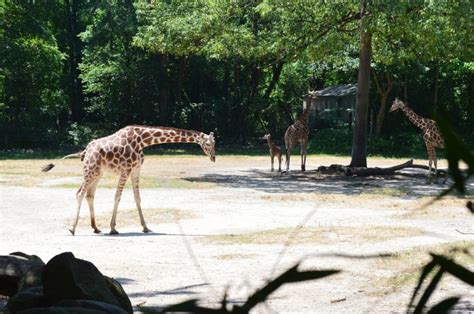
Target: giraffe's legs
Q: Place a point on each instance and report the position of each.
(136, 194)
(289, 148)
(279, 161)
(431, 157)
(118, 195)
(80, 196)
(435, 162)
(272, 157)
(90, 200)
(304, 144)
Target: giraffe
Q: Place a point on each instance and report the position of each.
(431, 134)
(274, 151)
(122, 152)
(298, 132)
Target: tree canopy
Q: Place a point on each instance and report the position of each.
(73, 70)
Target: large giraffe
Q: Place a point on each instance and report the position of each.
(122, 152)
(431, 134)
(298, 132)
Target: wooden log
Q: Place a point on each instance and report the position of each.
(364, 171)
(373, 171)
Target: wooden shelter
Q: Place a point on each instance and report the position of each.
(336, 103)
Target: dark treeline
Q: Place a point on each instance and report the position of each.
(72, 70)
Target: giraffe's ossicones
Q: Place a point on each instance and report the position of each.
(122, 152)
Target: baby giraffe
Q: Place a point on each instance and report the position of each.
(274, 150)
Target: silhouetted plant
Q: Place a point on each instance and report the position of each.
(290, 276)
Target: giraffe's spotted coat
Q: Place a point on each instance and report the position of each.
(431, 133)
(122, 152)
(298, 132)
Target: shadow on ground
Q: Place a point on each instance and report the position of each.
(411, 183)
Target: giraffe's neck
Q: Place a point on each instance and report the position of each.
(412, 116)
(305, 115)
(270, 143)
(160, 135)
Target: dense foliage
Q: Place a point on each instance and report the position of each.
(73, 70)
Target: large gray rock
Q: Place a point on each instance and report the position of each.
(19, 271)
(119, 293)
(61, 310)
(66, 277)
(26, 299)
(93, 305)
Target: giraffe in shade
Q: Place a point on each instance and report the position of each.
(298, 132)
(431, 134)
(275, 151)
(122, 152)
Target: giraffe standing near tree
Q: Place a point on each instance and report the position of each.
(298, 132)
(274, 150)
(122, 152)
(431, 134)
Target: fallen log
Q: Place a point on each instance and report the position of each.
(373, 171)
(364, 171)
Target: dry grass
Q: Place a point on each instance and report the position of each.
(447, 207)
(320, 235)
(155, 174)
(404, 267)
(226, 257)
(129, 216)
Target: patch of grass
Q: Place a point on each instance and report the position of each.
(129, 216)
(110, 181)
(27, 173)
(447, 207)
(391, 192)
(404, 267)
(321, 235)
(226, 257)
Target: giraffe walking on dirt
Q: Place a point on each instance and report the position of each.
(275, 151)
(431, 134)
(298, 132)
(122, 152)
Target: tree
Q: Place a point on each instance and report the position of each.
(31, 69)
(359, 139)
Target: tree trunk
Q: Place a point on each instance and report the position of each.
(359, 139)
(383, 91)
(164, 91)
(74, 58)
(436, 83)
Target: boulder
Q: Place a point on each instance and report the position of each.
(61, 310)
(119, 293)
(18, 271)
(66, 277)
(26, 299)
(93, 305)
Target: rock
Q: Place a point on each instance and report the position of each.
(14, 268)
(66, 277)
(119, 293)
(61, 310)
(93, 305)
(26, 299)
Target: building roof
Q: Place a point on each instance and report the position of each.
(338, 91)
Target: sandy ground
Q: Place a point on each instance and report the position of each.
(232, 225)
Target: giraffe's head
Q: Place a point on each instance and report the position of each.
(310, 100)
(267, 137)
(397, 104)
(208, 145)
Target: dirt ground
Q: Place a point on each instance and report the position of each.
(228, 227)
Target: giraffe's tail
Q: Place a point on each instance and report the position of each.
(48, 167)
